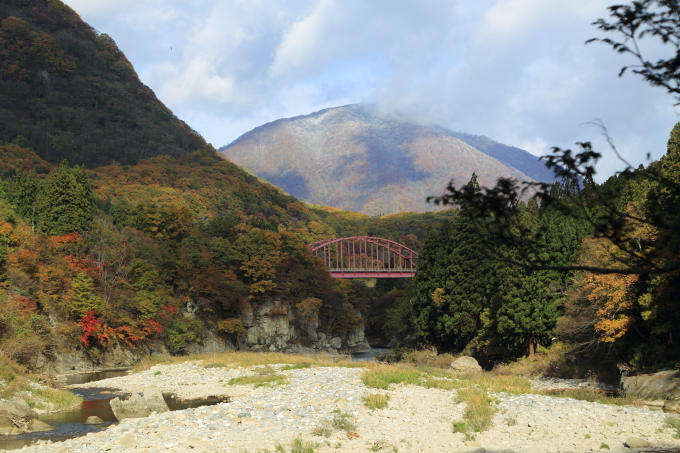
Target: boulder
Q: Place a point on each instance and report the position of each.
(135, 407)
(93, 420)
(17, 409)
(37, 426)
(155, 401)
(664, 385)
(6, 425)
(466, 364)
(636, 442)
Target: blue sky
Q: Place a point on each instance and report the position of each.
(516, 71)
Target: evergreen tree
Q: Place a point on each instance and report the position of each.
(454, 282)
(428, 279)
(65, 203)
(21, 191)
(524, 309)
(82, 300)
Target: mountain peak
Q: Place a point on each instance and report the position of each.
(359, 158)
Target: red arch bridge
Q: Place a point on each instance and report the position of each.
(366, 257)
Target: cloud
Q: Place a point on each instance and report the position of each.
(515, 70)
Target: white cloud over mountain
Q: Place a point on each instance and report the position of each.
(515, 70)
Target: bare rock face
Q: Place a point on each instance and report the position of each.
(336, 342)
(664, 385)
(135, 407)
(466, 364)
(154, 398)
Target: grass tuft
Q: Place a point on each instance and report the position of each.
(344, 422)
(296, 366)
(323, 431)
(259, 380)
(381, 376)
(376, 401)
(301, 447)
(478, 413)
(673, 422)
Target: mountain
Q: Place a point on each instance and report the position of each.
(68, 92)
(356, 158)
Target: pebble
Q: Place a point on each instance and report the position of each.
(417, 419)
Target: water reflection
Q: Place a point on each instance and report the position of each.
(368, 356)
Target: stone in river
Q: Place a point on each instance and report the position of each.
(93, 420)
(135, 407)
(154, 399)
(36, 426)
(636, 442)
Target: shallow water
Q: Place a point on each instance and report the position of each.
(71, 423)
(370, 355)
(82, 378)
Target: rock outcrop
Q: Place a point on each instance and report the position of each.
(661, 389)
(664, 385)
(275, 326)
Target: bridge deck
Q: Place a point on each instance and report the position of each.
(371, 273)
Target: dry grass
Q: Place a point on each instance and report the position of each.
(595, 396)
(562, 360)
(247, 359)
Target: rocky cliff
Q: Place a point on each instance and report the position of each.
(272, 326)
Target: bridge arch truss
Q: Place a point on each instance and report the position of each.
(366, 257)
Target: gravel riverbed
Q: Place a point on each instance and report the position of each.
(417, 419)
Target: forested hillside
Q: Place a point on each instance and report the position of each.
(592, 269)
(68, 92)
(120, 226)
(115, 255)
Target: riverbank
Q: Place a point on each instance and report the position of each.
(39, 392)
(322, 405)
